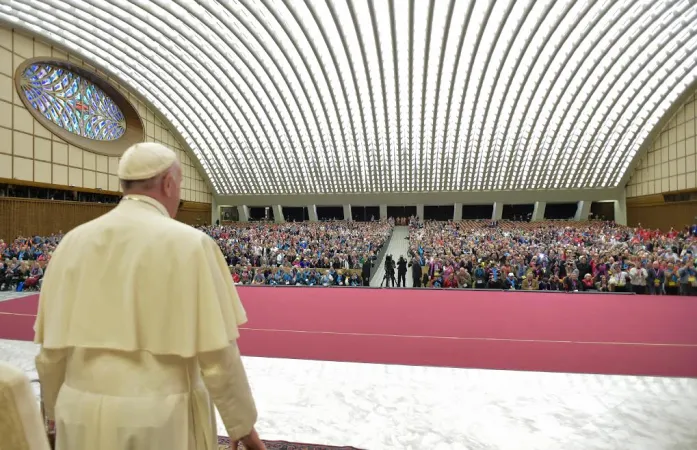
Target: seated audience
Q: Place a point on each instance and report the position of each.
(552, 255)
(547, 255)
(24, 260)
(331, 253)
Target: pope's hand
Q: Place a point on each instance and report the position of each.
(250, 442)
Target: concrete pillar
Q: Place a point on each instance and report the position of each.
(497, 213)
(215, 211)
(347, 212)
(582, 210)
(420, 212)
(539, 212)
(243, 210)
(621, 210)
(278, 214)
(383, 212)
(312, 212)
(457, 211)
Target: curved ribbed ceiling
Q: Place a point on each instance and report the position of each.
(359, 96)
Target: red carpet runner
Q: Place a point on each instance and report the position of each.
(585, 333)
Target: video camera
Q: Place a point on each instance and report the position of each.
(389, 264)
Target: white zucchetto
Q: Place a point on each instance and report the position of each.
(145, 160)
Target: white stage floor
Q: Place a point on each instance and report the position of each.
(380, 407)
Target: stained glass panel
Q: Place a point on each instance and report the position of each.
(72, 102)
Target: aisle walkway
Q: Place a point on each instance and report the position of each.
(398, 246)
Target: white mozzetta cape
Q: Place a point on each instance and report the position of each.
(138, 320)
(134, 279)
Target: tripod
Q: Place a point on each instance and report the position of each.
(389, 277)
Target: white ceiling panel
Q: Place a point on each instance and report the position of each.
(389, 96)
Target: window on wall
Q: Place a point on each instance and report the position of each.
(22, 191)
(72, 102)
(477, 212)
(518, 213)
(560, 211)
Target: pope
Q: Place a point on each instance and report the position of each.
(138, 325)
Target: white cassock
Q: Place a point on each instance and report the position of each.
(138, 321)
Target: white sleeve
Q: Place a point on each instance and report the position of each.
(51, 365)
(226, 380)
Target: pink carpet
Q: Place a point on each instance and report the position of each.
(586, 333)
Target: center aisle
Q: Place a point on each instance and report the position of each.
(398, 246)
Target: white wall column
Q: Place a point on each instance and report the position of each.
(582, 210)
(420, 212)
(621, 210)
(383, 212)
(278, 214)
(497, 213)
(312, 212)
(457, 211)
(215, 211)
(347, 212)
(539, 212)
(243, 211)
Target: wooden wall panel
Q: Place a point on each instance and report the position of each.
(195, 214)
(31, 217)
(662, 216)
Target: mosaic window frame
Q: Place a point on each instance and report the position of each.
(78, 105)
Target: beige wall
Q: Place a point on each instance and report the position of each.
(30, 152)
(669, 164)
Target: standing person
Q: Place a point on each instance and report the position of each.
(401, 272)
(136, 347)
(638, 276)
(688, 278)
(366, 269)
(416, 274)
(656, 279)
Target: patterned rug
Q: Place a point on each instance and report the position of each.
(224, 444)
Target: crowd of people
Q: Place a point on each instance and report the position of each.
(333, 253)
(551, 255)
(24, 261)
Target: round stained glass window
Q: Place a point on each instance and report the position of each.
(72, 102)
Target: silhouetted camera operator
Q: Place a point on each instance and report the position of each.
(402, 272)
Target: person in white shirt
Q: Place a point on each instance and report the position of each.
(637, 277)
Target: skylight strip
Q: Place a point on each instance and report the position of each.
(591, 96)
(638, 66)
(565, 73)
(380, 48)
(664, 87)
(354, 94)
(359, 61)
(270, 75)
(156, 54)
(484, 62)
(255, 98)
(545, 49)
(323, 60)
(147, 53)
(290, 43)
(245, 129)
(538, 31)
(473, 38)
(500, 80)
(324, 21)
(316, 129)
